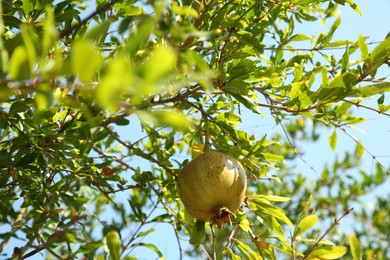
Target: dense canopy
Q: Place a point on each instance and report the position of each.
(102, 103)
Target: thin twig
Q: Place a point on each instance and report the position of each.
(143, 222)
(231, 238)
(67, 31)
(374, 157)
(213, 236)
(313, 49)
(358, 104)
(143, 154)
(295, 150)
(254, 239)
(336, 221)
(292, 246)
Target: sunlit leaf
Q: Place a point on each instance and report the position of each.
(197, 149)
(363, 48)
(354, 6)
(356, 251)
(246, 251)
(19, 67)
(86, 60)
(328, 252)
(153, 248)
(162, 61)
(305, 224)
(379, 55)
(113, 244)
(371, 90)
(147, 232)
(333, 140)
(164, 117)
(339, 88)
(244, 225)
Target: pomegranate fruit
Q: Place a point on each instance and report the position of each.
(212, 186)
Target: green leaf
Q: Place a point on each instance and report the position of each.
(236, 86)
(275, 198)
(246, 251)
(359, 150)
(232, 254)
(145, 233)
(305, 224)
(26, 159)
(345, 60)
(162, 61)
(339, 88)
(184, 10)
(266, 206)
(333, 140)
(244, 225)
(118, 79)
(99, 32)
(122, 122)
(273, 157)
(198, 233)
(165, 117)
(86, 60)
(371, 90)
(113, 244)
(306, 208)
(379, 55)
(17, 107)
(19, 67)
(27, 7)
(248, 102)
(300, 37)
(354, 6)
(327, 252)
(356, 251)
(363, 48)
(328, 36)
(152, 247)
(50, 32)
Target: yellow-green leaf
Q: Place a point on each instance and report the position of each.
(174, 119)
(354, 7)
(113, 244)
(244, 225)
(196, 150)
(162, 61)
(333, 140)
(276, 198)
(118, 79)
(327, 252)
(246, 251)
(86, 60)
(356, 251)
(363, 47)
(19, 67)
(305, 224)
(50, 32)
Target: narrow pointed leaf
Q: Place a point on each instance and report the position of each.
(305, 224)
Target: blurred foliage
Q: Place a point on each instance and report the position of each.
(102, 101)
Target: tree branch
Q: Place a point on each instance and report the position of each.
(67, 31)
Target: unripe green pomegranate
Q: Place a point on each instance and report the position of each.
(212, 186)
